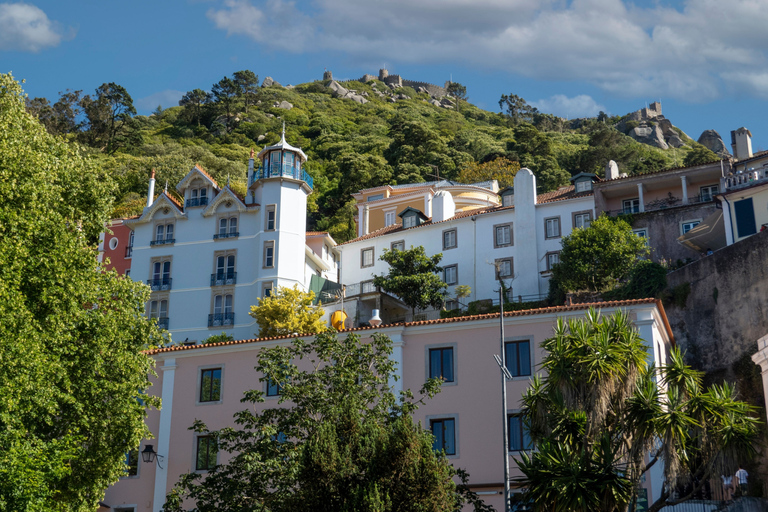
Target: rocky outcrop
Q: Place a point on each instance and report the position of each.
(711, 140)
(269, 82)
(283, 104)
(650, 134)
(338, 91)
(649, 126)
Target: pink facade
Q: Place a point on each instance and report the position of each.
(118, 247)
(471, 402)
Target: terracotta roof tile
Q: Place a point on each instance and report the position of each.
(316, 233)
(510, 314)
(199, 168)
(174, 201)
(605, 182)
(561, 194)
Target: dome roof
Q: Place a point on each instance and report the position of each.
(284, 146)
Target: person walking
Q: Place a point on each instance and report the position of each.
(741, 479)
(727, 488)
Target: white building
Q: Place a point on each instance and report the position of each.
(210, 259)
(521, 236)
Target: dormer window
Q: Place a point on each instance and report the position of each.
(409, 221)
(583, 181)
(412, 217)
(197, 197)
(507, 196)
(583, 186)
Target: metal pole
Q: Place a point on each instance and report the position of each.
(504, 400)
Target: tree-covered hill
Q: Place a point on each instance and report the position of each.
(389, 137)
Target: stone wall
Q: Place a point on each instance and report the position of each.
(727, 308)
(432, 89)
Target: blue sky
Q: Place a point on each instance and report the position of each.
(705, 60)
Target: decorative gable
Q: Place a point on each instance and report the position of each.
(227, 198)
(164, 204)
(196, 172)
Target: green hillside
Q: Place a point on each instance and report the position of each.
(398, 136)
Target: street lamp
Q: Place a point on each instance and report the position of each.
(148, 454)
(505, 375)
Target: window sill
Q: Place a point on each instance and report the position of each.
(215, 402)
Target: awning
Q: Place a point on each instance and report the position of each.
(709, 235)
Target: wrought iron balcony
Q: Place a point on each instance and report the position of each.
(223, 278)
(219, 236)
(162, 322)
(221, 319)
(167, 241)
(277, 170)
(160, 285)
(129, 251)
(197, 201)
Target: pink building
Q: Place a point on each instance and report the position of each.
(467, 412)
(117, 246)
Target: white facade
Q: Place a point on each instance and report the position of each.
(515, 237)
(209, 260)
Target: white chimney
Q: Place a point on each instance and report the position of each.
(443, 206)
(249, 197)
(741, 143)
(366, 225)
(151, 193)
(611, 170)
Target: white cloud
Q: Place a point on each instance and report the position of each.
(24, 27)
(692, 53)
(563, 106)
(167, 98)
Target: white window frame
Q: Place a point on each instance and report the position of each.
(552, 233)
(363, 253)
(455, 269)
(684, 223)
(450, 239)
(630, 205)
(390, 218)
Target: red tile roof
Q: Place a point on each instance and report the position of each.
(510, 314)
(316, 233)
(605, 182)
(199, 168)
(561, 194)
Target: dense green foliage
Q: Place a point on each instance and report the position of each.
(288, 311)
(598, 257)
(339, 440)
(413, 276)
(350, 146)
(601, 409)
(73, 375)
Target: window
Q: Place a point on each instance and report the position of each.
(223, 314)
(451, 305)
(444, 431)
(163, 235)
(269, 218)
(631, 205)
(583, 186)
(366, 257)
(441, 363)
(517, 356)
(206, 453)
(158, 309)
(709, 193)
(451, 274)
(507, 199)
(398, 246)
(745, 217)
(582, 219)
(375, 197)
(273, 388)
(688, 225)
(504, 268)
(210, 385)
(409, 221)
(519, 437)
(642, 233)
(502, 235)
(198, 197)
(113, 243)
(132, 463)
(553, 258)
(266, 289)
(449, 239)
(225, 270)
(161, 274)
(129, 249)
(389, 218)
(269, 254)
(552, 227)
(227, 228)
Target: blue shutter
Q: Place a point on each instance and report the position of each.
(745, 217)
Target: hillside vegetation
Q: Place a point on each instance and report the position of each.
(396, 137)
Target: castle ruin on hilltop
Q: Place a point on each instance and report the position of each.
(395, 81)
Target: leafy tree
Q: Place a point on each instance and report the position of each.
(225, 92)
(288, 311)
(108, 115)
(598, 257)
(248, 85)
(195, 101)
(501, 169)
(340, 439)
(517, 109)
(413, 276)
(60, 118)
(699, 155)
(601, 408)
(71, 335)
(458, 92)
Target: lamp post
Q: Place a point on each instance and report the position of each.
(148, 455)
(501, 361)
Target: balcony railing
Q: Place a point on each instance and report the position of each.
(277, 170)
(162, 322)
(160, 285)
(197, 201)
(219, 236)
(129, 251)
(223, 279)
(745, 178)
(167, 241)
(360, 288)
(663, 204)
(221, 319)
